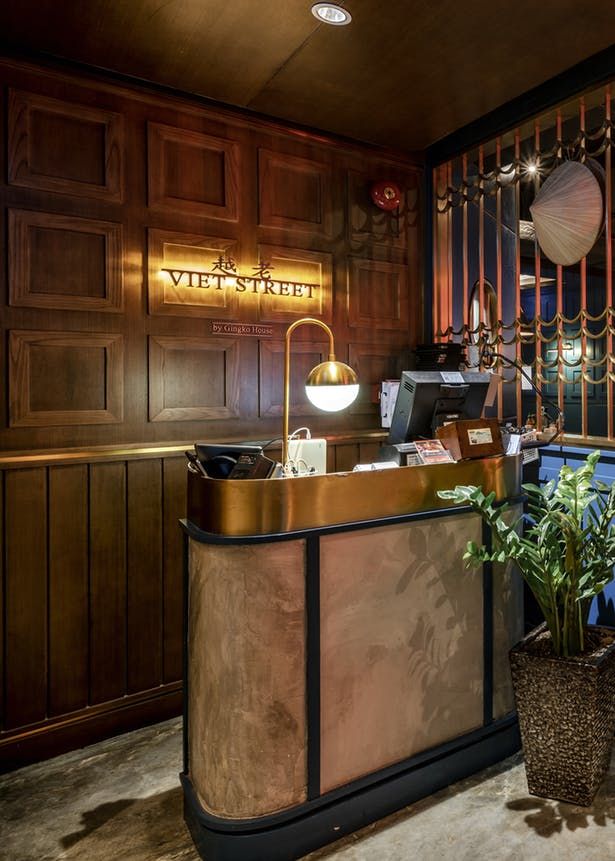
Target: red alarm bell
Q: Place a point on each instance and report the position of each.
(386, 195)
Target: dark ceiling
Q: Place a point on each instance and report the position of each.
(404, 73)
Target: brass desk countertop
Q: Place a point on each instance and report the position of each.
(271, 506)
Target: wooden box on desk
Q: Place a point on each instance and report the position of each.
(469, 438)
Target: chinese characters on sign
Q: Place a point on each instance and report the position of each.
(224, 275)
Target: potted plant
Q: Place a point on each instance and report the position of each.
(564, 671)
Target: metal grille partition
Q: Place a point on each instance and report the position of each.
(493, 284)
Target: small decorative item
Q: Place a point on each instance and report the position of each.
(568, 212)
(563, 672)
(386, 195)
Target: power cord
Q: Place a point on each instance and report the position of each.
(486, 359)
(294, 468)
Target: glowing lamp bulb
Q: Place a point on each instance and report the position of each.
(531, 169)
(332, 386)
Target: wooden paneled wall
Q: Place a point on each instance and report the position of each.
(102, 187)
(92, 615)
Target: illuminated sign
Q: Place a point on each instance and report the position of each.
(224, 275)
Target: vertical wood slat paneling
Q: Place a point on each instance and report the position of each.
(144, 581)
(2, 625)
(68, 588)
(368, 452)
(107, 581)
(26, 596)
(174, 508)
(346, 457)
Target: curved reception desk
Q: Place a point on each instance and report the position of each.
(340, 660)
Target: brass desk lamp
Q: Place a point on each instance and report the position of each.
(330, 386)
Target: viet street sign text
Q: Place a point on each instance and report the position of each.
(224, 275)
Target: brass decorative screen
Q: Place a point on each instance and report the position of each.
(495, 289)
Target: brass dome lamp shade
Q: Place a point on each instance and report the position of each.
(331, 386)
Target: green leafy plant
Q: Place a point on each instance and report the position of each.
(566, 552)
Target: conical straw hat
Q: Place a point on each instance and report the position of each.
(567, 213)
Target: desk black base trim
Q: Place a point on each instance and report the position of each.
(293, 833)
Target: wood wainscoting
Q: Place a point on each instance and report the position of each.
(91, 610)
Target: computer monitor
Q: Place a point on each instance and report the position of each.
(428, 399)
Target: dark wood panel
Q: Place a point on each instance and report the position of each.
(80, 372)
(347, 456)
(26, 596)
(60, 262)
(2, 610)
(295, 193)
(144, 586)
(193, 378)
(107, 581)
(65, 147)
(174, 508)
(368, 452)
(68, 589)
(377, 294)
(192, 172)
(65, 378)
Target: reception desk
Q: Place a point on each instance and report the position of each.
(340, 660)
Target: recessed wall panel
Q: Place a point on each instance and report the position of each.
(192, 172)
(377, 294)
(64, 263)
(65, 147)
(65, 378)
(192, 379)
(294, 193)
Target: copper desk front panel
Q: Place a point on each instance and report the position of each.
(401, 643)
(246, 677)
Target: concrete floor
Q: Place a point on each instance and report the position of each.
(121, 799)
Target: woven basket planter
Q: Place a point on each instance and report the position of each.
(566, 709)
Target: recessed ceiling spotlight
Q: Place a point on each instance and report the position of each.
(331, 13)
